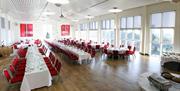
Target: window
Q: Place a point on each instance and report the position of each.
(2, 23)
(83, 27)
(107, 33)
(156, 20)
(107, 24)
(123, 22)
(9, 25)
(93, 35)
(162, 32)
(93, 25)
(130, 31)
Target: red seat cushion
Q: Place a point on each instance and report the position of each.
(53, 72)
(20, 73)
(6, 74)
(16, 79)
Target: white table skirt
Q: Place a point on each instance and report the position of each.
(120, 50)
(36, 80)
(82, 55)
(37, 74)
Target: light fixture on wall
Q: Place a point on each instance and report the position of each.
(59, 1)
(115, 10)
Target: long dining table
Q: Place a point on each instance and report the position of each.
(37, 74)
(82, 55)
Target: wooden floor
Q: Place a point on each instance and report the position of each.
(101, 74)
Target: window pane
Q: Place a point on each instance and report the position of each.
(122, 35)
(104, 24)
(169, 19)
(129, 34)
(156, 20)
(107, 36)
(107, 24)
(123, 22)
(130, 22)
(112, 24)
(123, 42)
(137, 21)
(2, 23)
(137, 35)
(93, 36)
(82, 34)
(155, 38)
(96, 25)
(168, 36)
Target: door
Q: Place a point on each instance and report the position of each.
(155, 42)
(161, 40)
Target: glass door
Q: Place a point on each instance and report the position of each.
(155, 42)
(167, 40)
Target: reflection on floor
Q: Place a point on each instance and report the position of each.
(101, 74)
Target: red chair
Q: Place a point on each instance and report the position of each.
(131, 52)
(115, 54)
(93, 52)
(55, 70)
(14, 79)
(97, 47)
(15, 46)
(43, 50)
(52, 58)
(19, 64)
(129, 47)
(15, 72)
(121, 46)
(22, 52)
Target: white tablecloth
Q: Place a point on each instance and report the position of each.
(36, 72)
(82, 55)
(120, 50)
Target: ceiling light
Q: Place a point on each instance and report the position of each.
(59, 1)
(75, 20)
(115, 10)
(48, 13)
(89, 16)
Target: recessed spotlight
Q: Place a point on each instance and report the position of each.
(115, 10)
(59, 1)
(89, 16)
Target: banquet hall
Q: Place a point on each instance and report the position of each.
(89, 45)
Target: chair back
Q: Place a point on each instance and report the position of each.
(115, 52)
(129, 47)
(6, 74)
(97, 46)
(58, 65)
(12, 69)
(52, 57)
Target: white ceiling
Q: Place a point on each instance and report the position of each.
(27, 10)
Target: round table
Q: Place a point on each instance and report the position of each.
(145, 85)
(120, 50)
